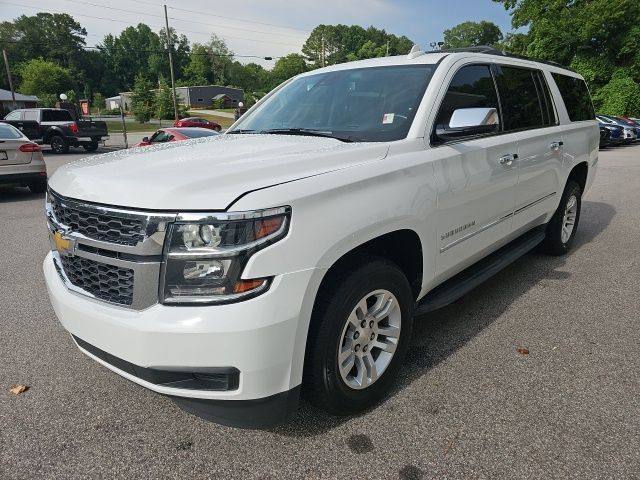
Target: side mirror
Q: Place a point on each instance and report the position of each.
(466, 122)
(145, 139)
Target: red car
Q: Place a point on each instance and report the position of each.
(197, 122)
(171, 134)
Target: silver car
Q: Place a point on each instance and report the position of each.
(21, 160)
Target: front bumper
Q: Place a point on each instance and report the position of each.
(257, 337)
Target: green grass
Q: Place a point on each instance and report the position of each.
(133, 127)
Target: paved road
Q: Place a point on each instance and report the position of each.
(467, 404)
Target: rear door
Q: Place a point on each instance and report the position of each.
(476, 176)
(529, 112)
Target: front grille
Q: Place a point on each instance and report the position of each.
(106, 282)
(110, 227)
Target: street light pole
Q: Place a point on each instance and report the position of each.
(6, 64)
(173, 78)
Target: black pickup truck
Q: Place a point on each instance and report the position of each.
(57, 127)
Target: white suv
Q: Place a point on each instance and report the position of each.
(294, 251)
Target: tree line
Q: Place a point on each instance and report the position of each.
(49, 54)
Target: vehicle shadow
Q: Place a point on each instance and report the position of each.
(18, 194)
(441, 333)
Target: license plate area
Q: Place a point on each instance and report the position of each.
(3, 155)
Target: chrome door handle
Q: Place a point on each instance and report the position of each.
(507, 160)
(556, 145)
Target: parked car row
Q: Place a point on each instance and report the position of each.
(618, 130)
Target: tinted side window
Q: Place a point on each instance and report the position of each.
(521, 106)
(576, 97)
(548, 110)
(15, 115)
(471, 87)
(56, 116)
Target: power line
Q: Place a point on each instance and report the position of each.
(227, 17)
(139, 50)
(150, 25)
(180, 19)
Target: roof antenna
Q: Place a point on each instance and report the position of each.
(415, 52)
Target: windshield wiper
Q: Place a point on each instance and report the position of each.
(310, 132)
(241, 131)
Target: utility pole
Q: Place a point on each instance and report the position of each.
(388, 48)
(6, 64)
(322, 59)
(173, 78)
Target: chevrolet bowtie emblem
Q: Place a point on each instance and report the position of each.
(64, 246)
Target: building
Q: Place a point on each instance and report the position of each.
(200, 96)
(22, 101)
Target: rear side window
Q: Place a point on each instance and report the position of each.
(575, 95)
(522, 107)
(56, 116)
(30, 115)
(471, 87)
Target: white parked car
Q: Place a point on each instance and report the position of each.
(21, 160)
(293, 252)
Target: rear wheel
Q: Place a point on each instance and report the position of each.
(58, 144)
(561, 229)
(217, 128)
(90, 147)
(360, 331)
(39, 186)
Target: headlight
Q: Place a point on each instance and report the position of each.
(205, 255)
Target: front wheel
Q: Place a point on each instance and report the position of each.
(561, 229)
(360, 331)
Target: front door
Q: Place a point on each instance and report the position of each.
(476, 175)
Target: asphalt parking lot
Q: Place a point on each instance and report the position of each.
(467, 404)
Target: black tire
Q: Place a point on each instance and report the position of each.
(90, 147)
(323, 385)
(39, 186)
(58, 144)
(217, 128)
(553, 243)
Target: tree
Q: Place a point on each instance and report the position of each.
(199, 69)
(287, 67)
(220, 57)
(98, 101)
(164, 101)
(42, 77)
(621, 96)
(142, 99)
(470, 34)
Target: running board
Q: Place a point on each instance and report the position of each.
(478, 273)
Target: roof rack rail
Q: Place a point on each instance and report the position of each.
(494, 51)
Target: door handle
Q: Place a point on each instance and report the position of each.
(556, 145)
(507, 160)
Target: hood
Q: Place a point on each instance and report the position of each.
(206, 173)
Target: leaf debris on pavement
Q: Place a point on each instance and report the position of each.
(18, 389)
(522, 350)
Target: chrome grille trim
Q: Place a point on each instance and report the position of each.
(149, 242)
(142, 259)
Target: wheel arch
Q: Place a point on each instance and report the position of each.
(579, 174)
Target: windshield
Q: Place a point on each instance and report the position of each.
(374, 104)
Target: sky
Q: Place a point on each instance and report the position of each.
(266, 27)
